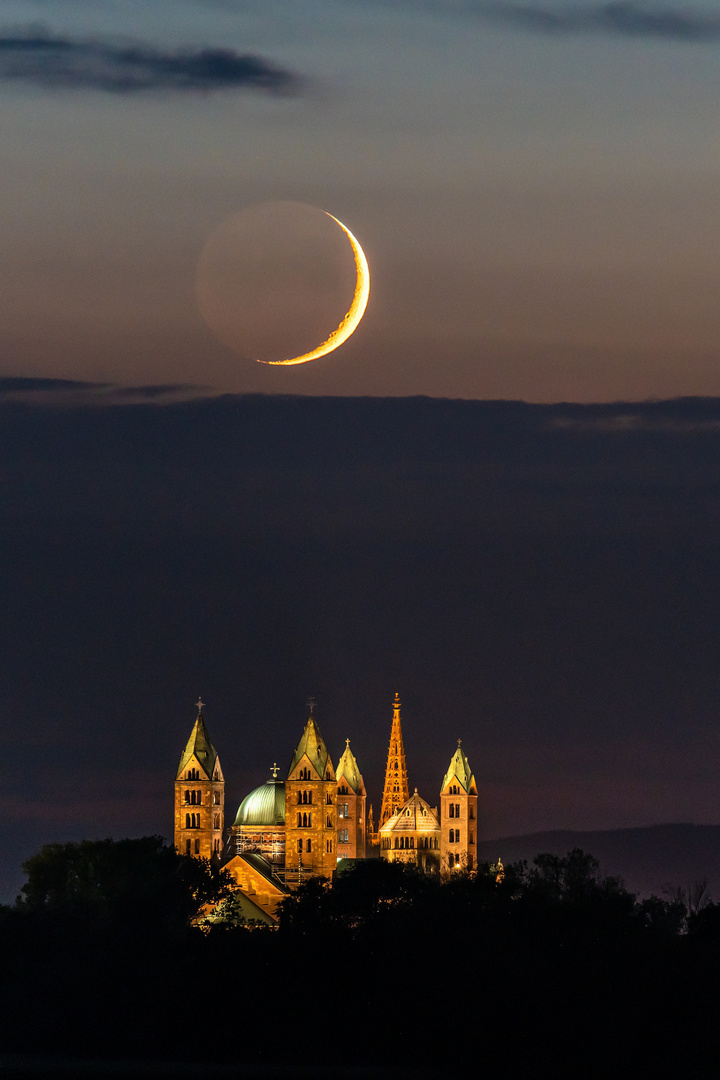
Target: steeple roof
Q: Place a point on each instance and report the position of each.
(396, 791)
(312, 744)
(348, 770)
(199, 746)
(460, 770)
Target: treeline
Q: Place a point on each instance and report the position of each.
(551, 968)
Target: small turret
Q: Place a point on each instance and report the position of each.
(351, 798)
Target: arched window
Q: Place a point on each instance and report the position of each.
(300, 847)
(187, 821)
(457, 809)
(309, 821)
(197, 847)
(216, 822)
(328, 799)
(299, 797)
(309, 845)
(187, 846)
(216, 798)
(187, 796)
(299, 820)
(412, 841)
(310, 798)
(397, 842)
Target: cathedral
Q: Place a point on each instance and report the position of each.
(287, 831)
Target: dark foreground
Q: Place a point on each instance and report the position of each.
(552, 970)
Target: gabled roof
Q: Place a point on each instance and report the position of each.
(460, 770)
(415, 816)
(348, 770)
(200, 747)
(312, 745)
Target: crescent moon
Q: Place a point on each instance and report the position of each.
(355, 312)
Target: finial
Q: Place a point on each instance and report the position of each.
(311, 703)
(397, 697)
(347, 743)
(416, 791)
(459, 742)
(274, 769)
(200, 704)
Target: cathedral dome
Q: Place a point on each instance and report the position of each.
(263, 806)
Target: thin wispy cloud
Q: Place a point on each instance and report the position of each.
(624, 19)
(620, 18)
(72, 394)
(57, 62)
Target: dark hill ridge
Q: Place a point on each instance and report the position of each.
(649, 860)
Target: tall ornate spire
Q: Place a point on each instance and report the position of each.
(396, 792)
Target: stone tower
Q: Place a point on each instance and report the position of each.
(350, 807)
(396, 792)
(458, 814)
(310, 819)
(199, 796)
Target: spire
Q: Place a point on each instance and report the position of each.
(396, 792)
(199, 746)
(312, 745)
(348, 770)
(460, 771)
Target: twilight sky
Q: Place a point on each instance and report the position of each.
(535, 187)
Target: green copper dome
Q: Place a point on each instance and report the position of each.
(263, 806)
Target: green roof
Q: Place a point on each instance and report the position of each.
(313, 745)
(263, 806)
(200, 746)
(348, 770)
(459, 770)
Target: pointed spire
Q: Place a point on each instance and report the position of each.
(348, 770)
(396, 792)
(460, 770)
(312, 745)
(200, 746)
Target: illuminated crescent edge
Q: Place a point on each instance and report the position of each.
(355, 313)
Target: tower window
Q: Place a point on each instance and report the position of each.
(309, 845)
(187, 846)
(457, 809)
(197, 847)
(216, 822)
(300, 847)
(452, 810)
(216, 798)
(328, 847)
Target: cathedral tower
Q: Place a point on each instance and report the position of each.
(199, 796)
(396, 792)
(350, 807)
(310, 820)
(458, 814)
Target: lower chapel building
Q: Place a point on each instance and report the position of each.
(287, 831)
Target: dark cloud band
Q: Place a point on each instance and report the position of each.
(62, 63)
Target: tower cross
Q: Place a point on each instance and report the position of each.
(200, 704)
